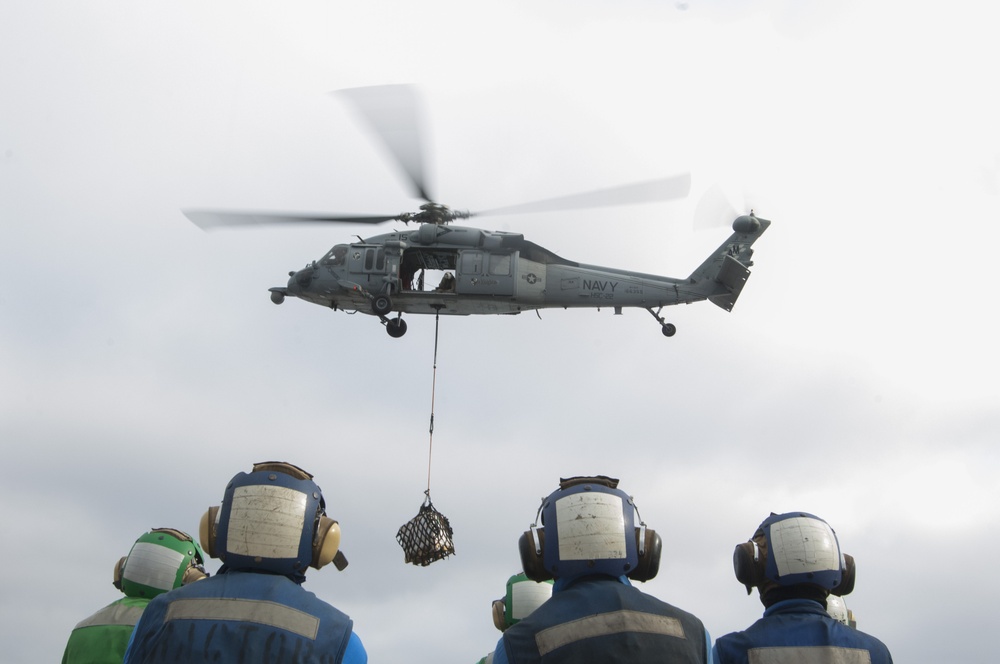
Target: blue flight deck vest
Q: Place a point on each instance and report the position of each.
(799, 631)
(600, 619)
(237, 617)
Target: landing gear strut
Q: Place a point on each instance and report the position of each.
(668, 329)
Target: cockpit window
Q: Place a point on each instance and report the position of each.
(337, 255)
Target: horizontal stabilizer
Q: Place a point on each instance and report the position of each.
(722, 276)
(733, 275)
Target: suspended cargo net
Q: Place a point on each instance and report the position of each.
(426, 537)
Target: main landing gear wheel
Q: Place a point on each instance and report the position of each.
(396, 327)
(381, 305)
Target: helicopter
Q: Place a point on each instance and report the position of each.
(483, 272)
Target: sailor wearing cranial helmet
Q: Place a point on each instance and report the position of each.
(795, 562)
(523, 596)
(271, 526)
(592, 547)
(159, 561)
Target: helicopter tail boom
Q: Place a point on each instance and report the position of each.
(724, 274)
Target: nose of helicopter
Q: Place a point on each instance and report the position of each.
(298, 280)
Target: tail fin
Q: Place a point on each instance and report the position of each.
(725, 272)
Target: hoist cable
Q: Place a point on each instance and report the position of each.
(430, 444)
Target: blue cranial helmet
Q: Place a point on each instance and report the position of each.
(589, 528)
(792, 549)
(272, 519)
(802, 548)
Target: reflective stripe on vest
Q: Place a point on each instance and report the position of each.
(809, 655)
(261, 612)
(115, 614)
(603, 624)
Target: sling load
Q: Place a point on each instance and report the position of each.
(427, 537)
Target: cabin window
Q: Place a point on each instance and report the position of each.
(472, 263)
(500, 264)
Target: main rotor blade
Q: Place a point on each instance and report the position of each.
(392, 113)
(209, 220)
(642, 192)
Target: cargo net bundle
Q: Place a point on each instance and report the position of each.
(426, 537)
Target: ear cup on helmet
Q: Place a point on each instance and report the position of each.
(500, 615)
(119, 570)
(192, 574)
(748, 564)
(848, 574)
(649, 561)
(532, 557)
(326, 544)
(207, 531)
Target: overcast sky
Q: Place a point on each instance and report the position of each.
(142, 363)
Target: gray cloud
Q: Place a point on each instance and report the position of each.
(143, 364)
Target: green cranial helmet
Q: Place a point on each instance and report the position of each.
(522, 598)
(160, 560)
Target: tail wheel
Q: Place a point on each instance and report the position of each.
(668, 329)
(381, 305)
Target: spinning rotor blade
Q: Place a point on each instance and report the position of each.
(643, 192)
(392, 113)
(720, 204)
(211, 219)
(714, 209)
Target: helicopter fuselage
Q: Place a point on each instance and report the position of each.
(478, 271)
(485, 272)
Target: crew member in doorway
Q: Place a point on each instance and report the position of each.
(447, 283)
